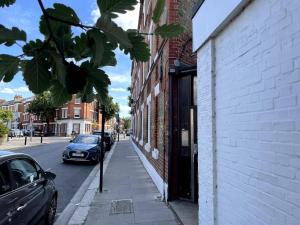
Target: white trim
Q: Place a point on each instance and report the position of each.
(141, 142)
(218, 13)
(158, 181)
(155, 153)
(156, 90)
(147, 147)
(149, 99)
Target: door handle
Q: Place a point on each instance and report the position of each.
(21, 207)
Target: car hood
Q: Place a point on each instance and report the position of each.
(80, 146)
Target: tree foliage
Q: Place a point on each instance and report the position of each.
(5, 117)
(111, 108)
(65, 63)
(42, 106)
(126, 121)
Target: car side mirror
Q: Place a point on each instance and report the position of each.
(49, 175)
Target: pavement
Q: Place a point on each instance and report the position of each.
(129, 195)
(19, 142)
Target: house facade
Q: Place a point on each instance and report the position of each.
(73, 116)
(164, 106)
(248, 80)
(76, 116)
(16, 107)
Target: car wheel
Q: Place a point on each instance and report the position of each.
(65, 161)
(51, 212)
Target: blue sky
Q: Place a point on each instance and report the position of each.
(25, 15)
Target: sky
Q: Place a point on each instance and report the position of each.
(25, 15)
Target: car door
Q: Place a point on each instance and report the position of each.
(29, 185)
(7, 196)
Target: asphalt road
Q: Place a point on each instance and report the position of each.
(69, 176)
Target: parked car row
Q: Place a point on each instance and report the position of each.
(24, 132)
(109, 138)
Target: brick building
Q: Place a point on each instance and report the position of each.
(76, 116)
(248, 111)
(16, 107)
(163, 112)
(73, 116)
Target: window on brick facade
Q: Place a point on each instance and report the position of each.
(156, 122)
(64, 113)
(77, 113)
(77, 100)
(148, 123)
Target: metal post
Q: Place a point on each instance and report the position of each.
(25, 140)
(41, 139)
(102, 149)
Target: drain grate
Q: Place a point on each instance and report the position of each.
(122, 206)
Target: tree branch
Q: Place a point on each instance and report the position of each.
(50, 29)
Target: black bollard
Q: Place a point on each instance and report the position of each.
(41, 139)
(25, 140)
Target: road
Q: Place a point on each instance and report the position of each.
(69, 177)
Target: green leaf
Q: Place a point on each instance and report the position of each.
(87, 95)
(98, 78)
(159, 8)
(59, 94)
(36, 75)
(111, 7)
(7, 3)
(81, 47)
(97, 40)
(10, 36)
(140, 50)
(59, 69)
(169, 30)
(60, 30)
(9, 66)
(110, 56)
(30, 48)
(113, 32)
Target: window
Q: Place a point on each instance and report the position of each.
(64, 113)
(77, 100)
(24, 172)
(76, 112)
(76, 128)
(5, 185)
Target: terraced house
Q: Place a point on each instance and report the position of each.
(164, 108)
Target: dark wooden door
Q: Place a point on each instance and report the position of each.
(184, 150)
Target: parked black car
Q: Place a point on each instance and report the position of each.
(27, 193)
(108, 138)
(83, 148)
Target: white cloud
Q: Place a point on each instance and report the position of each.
(120, 78)
(14, 90)
(128, 20)
(124, 110)
(118, 90)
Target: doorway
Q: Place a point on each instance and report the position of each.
(183, 154)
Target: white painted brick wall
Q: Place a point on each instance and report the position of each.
(257, 67)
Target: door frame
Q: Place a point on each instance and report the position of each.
(174, 74)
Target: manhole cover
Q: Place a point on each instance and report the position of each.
(122, 206)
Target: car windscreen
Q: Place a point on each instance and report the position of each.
(86, 140)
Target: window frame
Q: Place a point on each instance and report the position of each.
(39, 170)
(76, 116)
(10, 180)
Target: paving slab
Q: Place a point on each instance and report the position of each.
(126, 179)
